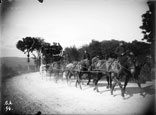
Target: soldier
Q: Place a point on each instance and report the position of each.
(120, 52)
(87, 56)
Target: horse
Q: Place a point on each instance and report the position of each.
(70, 70)
(81, 68)
(93, 71)
(131, 70)
(102, 68)
(57, 68)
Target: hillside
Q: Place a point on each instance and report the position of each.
(15, 61)
(11, 66)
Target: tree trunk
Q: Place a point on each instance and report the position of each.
(28, 61)
(28, 67)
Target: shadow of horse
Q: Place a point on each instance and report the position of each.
(147, 90)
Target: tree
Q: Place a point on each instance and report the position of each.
(51, 52)
(37, 48)
(148, 23)
(108, 48)
(72, 54)
(148, 28)
(95, 48)
(26, 45)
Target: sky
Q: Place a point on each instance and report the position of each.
(70, 22)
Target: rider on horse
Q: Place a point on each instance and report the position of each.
(87, 56)
(121, 52)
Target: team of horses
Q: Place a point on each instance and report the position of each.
(111, 69)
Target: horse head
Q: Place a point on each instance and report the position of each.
(115, 67)
(95, 61)
(84, 65)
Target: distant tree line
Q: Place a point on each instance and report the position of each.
(38, 48)
(106, 49)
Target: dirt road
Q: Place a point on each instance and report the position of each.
(29, 94)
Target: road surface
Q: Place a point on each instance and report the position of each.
(29, 94)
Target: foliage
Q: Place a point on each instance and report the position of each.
(72, 54)
(145, 74)
(49, 52)
(148, 23)
(108, 48)
(95, 48)
(103, 49)
(148, 29)
(140, 49)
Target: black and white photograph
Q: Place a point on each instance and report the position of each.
(86, 57)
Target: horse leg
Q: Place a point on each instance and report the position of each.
(107, 78)
(126, 82)
(110, 81)
(98, 77)
(51, 71)
(78, 81)
(70, 78)
(120, 85)
(66, 75)
(112, 88)
(96, 86)
(50, 74)
(62, 75)
(56, 77)
(95, 82)
(139, 85)
(137, 80)
(89, 78)
(88, 81)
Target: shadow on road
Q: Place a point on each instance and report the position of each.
(147, 90)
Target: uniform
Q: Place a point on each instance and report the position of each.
(87, 56)
(120, 50)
